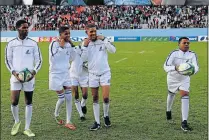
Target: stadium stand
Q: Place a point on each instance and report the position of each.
(105, 17)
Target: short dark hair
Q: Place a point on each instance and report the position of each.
(181, 38)
(90, 25)
(63, 28)
(19, 23)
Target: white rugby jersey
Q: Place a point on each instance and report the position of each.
(59, 58)
(176, 58)
(21, 54)
(77, 69)
(97, 57)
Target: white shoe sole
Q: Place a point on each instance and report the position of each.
(183, 129)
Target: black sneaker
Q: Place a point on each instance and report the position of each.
(84, 109)
(82, 118)
(168, 115)
(185, 127)
(95, 126)
(107, 121)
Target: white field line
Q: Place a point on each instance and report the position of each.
(121, 60)
(142, 52)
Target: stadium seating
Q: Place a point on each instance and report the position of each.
(105, 17)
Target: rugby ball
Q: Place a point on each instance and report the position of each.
(186, 69)
(24, 75)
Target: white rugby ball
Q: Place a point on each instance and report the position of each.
(24, 75)
(21, 75)
(186, 69)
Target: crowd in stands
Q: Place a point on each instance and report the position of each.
(105, 17)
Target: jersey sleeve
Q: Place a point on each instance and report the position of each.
(109, 46)
(73, 54)
(9, 57)
(77, 49)
(168, 65)
(84, 52)
(195, 63)
(38, 58)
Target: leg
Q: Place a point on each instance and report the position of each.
(173, 88)
(94, 85)
(75, 92)
(95, 94)
(185, 104)
(105, 94)
(170, 99)
(77, 102)
(56, 84)
(60, 102)
(105, 82)
(83, 82)
(84, 98)
(184, 109)
(15, 95)
(184, 92)
(68, 98)
(28, 108)
(28, 113)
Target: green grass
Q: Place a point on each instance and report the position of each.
(138, 99)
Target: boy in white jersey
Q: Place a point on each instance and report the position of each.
(79, 77)
(60, 55)
(177, 82)
(95, 53)
(20, 53)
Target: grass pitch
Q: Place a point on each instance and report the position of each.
(138, 99)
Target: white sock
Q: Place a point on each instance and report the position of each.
(106, 109)
(15, 113)
(60, 101)
(28, 116)
(83, 102)
(185, 107)
(68, 97)
(170, 99)
(96, 112)
(78, 107)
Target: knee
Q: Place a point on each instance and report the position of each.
(106, 100)
(76, 95)
(28, 97)
(95, 98)
(85, 95)
(75, 92)
(28, 102)
(184, 94)
(14, 102)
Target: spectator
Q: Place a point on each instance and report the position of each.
(105, 17)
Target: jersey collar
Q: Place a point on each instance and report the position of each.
(21, 39)
(182, 51)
